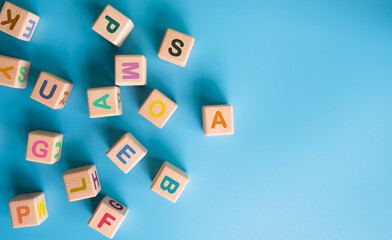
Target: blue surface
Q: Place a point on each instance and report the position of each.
(310, 83)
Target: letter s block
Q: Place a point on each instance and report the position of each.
(14, 72)
(81, 183)
(104, 102)
(44, 147)
(169, 182)
(28, 209)
(218, 120)
(130, 70)
(108, 217)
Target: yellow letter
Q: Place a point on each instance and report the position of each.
(157, 115)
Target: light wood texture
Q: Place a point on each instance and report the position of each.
(28, 210)
(176, 47)
(126, 152)
(108, 217)
(169, 182)
(113, 26)
(44, 147)
(218, 120)
(104, 102)
(17, 22)
(14, 72)
(130, 70)
(81, 183)
(157, 108)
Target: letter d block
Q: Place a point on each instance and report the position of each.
(44, 147)
(104, 102)
(169, 182)
(130, 70)
(28, 209)
(13, 72)
(81, 183)
(108, 217)
(218, 120)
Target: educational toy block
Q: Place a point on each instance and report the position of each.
(104, 102)
(44, 147)
(81, 183)
(130, 70)
(126, 152)
(218, 120)
(14, 72)
(17, 22)
(51, 90)
(169, 182)
(157, 108)
(28, 209)
(176, 47)
(113, 26)
(108, 217)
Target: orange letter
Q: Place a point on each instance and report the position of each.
(20, 214)
(218, 114)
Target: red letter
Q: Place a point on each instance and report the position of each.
(103, 220)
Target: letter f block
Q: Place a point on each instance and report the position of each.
(14, 72)
(44, 147)
(81, 183)
(28, 210)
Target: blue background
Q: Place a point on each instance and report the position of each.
(310, 83)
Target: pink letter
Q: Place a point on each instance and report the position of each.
(43, 152)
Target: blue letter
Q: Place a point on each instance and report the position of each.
(168, 187)
(124, 151)
(41, 91)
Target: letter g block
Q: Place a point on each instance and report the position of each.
(44, 147)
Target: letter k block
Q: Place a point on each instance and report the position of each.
(81, 183)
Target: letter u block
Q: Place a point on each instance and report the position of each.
(157, 108)
(218, 120)
(169, 182)
(81, 183)
(113, 26)
(176, 47)
(17, 22)
(44, 147)
(28, 210)
(14, 72)
(51, 90)
(130, 70)
(104, 102)
(108, 217)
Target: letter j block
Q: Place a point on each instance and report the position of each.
(44, 147)
(28, 210)
(218, 120)
(14, 72)
(81, 183)
(104, 102)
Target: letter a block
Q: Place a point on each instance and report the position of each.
(51, 90)
(108, 217)
(28, 209)
(218, 120)
(126, 152)
(157, 108)
(113, 25)
(104, 102)
(17, 22)
(169, 182)
(13, 72)
(81, 183)
(44, 147)
(131, 70)
(176, 47)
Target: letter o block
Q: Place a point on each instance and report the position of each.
(13, 72)
(169, 182)
(130, 70)
(44, 147)
(218, 120)
(28, 210)
(104, 102)
(81, 183)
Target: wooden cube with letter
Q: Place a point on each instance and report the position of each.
(218, 120)
(130, 70)
(104, 102)
(44, 147)
(81, 183)
(13, 72)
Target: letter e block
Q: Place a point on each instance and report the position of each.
(14, 72)
(44, 147)
(104, 102)
(130, 70)
(28, 210)
(81, 183)
(218, 120)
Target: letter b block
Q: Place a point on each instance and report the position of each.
(104, 102)
(131, 70)
(13, 72)
(218, 120)
(44, 147)
(28, 209)
(81, 183)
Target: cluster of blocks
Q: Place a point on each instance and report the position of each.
(53, 91)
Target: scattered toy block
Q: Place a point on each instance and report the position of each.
(130, 70)
(218, 120)
(157, 108)
(176, 47)
(104, 102)
(81, 183)
(113, 26)
(13, 72)
(169, 182)
(44, 147)
(108, 217)
(17, 22)
(28, 210)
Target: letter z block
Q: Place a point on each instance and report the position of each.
(28, 210)
(17, 22)
(108, 217)
(113, 26)
(44, 147)
(218, 120)
(169, 182)
(13, 72)
(104, 102)
(130, 70)
(81, 183)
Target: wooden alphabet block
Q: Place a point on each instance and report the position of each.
(108, 217)
(218, 120)
(176, 47)
(28, 209)
(169, 182)
(14, 72)
(51, 90)
(81, 183)
(104, 102)
(17, 22)
(157, 108)
(113, 26)
(130, 70)
(44, 147)
(126, 152)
